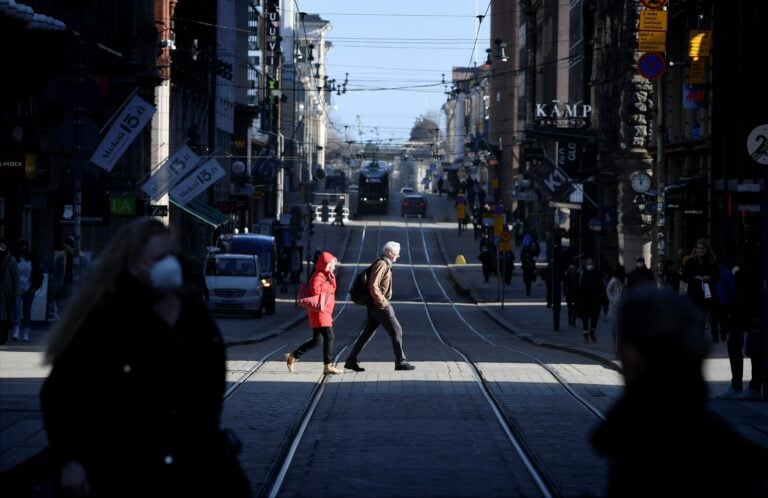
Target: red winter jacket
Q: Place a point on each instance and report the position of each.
(323, 282)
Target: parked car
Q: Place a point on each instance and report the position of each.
(413, 205)
(264, 247)
(234, 283)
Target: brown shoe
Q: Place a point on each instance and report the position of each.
(290, 360)
(329, 369)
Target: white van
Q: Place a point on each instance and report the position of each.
(234, 283)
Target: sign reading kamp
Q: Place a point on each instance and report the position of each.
(200, 179)
(125, 128)
(562, 115)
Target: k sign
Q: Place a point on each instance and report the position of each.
(552, 181)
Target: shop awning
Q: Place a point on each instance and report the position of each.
(205, 213)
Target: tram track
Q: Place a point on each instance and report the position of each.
(511, 429)
(515, 435)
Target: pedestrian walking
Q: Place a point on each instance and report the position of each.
(701, 273)
(322, 283)
(591, 298)
(461, 211)
(380, 311)
(62, 273)
(133, 401)
(339, 213)
(640, 275)
(528, 254)
(660, 438)
(571, 291)
(487, 256)
(615, 289)
(743, 317)
(9, 283)
(30, 281)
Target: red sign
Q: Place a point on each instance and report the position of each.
(654, 4)
(651, 65)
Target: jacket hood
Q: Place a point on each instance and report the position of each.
(323, 259)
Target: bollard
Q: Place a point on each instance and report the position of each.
(460, 260)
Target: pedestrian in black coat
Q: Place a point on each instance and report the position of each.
(591, 298)
(641, 275)
(701, 273)
(660, 437)
(133, 401)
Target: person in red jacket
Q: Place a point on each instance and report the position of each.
(323, 281)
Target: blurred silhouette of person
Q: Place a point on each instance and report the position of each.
(615, 290)
(322, 282)
(660, 437)
(62, 273)
(133, 401)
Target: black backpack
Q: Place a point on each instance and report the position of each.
(359, 293)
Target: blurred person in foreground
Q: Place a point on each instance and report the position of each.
(660, 437)
(133, 401)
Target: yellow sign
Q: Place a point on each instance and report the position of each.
(652, 41)
(700, 43)
(697, 72)
(653, 20)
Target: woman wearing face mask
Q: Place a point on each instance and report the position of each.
(591, 298)
(134, 397)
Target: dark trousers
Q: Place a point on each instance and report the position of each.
(589, 319)
(327, 334)
(387, 319)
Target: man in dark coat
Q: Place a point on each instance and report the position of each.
(641, 275)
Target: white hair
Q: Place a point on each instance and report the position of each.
(389, 247)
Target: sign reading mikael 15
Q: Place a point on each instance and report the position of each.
(197, 181)
(562, 115)
(179, 164)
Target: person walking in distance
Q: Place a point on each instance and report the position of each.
(701, 273)
(570, 291)
(338, 212)
(9, 283)
(660, 438)
(591, 298)
(321, 283)
(30, 280)
(641, 275)
(133, 401)
(380, 310)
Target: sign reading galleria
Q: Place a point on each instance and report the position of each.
(562, 115)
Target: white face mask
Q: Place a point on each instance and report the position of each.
(640, 265)
(590, 267)
(166, 274)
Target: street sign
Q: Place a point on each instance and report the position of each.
(697, 71)
(757, 144)
(700, 43)
(651, 41)
(653, 20)
(651, 65)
